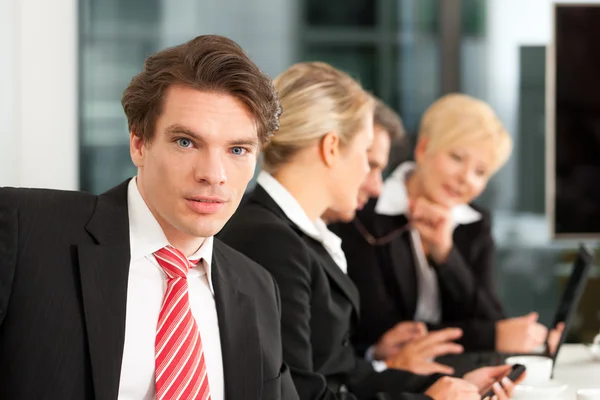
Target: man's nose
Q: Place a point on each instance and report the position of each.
(210, 168)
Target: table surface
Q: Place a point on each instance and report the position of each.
(576, 367)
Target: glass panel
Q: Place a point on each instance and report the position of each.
(417, 79)
(416, 60)
(428, 16)
(473, 17)
(359, 61)
(389, 45)
(532, 95)
(398, 59)
(117, 35)
(105, 157)
(346, 13)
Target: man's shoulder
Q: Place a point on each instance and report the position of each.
(46, 199)
(43, 213)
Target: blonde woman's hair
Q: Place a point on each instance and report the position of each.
(316, 99)
(457, 119)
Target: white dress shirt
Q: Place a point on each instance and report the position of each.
(293, 210)
(145, 292)
(394, 201)
(317, 230)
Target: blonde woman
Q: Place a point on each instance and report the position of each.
(388, 130)
(318, 161)
(422, 252)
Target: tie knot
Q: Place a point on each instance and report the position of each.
(173, 262)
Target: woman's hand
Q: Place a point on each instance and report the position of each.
(554, 338)
(447, 388)
(520, 335)
(482, 378)
(434, 223)
(418, 355)
(392, 341)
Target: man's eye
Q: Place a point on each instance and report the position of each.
(238, 151)
(183, 142)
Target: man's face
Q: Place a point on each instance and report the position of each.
(371, 187)
(194, 171)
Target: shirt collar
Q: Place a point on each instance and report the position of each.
(146, 236)
(293, 210)
(288, 204)
(394, 198)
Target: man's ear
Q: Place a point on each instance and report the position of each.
(329, 148)
(420, 149)
(137, 149)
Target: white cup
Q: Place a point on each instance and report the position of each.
(588, 394)
(539, 368)
(540, 391)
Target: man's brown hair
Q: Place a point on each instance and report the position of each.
(210, 63)
(389, 120)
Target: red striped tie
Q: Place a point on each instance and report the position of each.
(180, 366)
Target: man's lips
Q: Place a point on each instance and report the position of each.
(207, 199)
(206, 204)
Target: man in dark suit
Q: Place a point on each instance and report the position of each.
(414, 348)
(128, 295)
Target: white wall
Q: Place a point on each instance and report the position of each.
(8, 84)
(513, 23)
(38, 100)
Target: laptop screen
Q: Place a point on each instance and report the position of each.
(574, 289)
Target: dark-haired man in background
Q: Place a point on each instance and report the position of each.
(415, 349)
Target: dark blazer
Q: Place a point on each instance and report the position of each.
(320, 308)
(386, 279)
(64, 264)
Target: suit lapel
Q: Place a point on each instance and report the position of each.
(104, 271)
(401, 262)
(240, 343)
(339, 278)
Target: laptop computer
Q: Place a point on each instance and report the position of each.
(565, 312)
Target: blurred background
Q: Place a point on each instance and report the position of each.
(65, 63)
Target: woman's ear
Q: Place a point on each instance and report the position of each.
(329, 148)
(420, 149)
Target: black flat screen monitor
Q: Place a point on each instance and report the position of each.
(573, 105)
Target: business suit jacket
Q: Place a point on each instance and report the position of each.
(320, 308)
(64, 264)
(386, 279)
